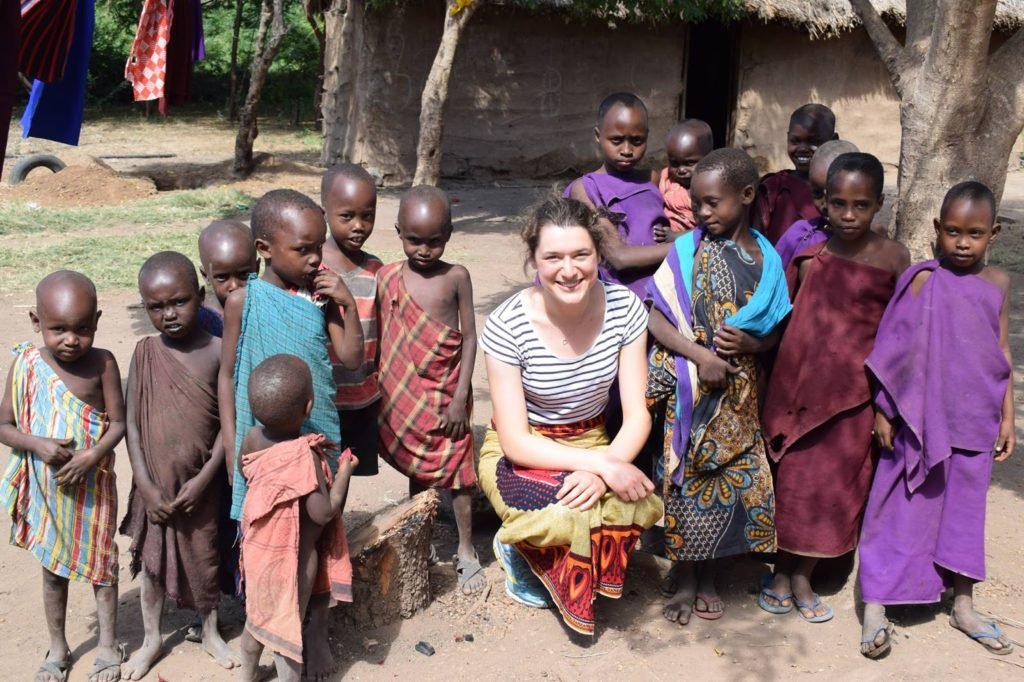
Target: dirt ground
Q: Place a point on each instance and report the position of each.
(509, 642)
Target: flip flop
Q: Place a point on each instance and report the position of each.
(993, 631)
(766, 593)
(802, 606)
(888, 628)
(56, 669)
(102, 665)
(707, 600)
(466, 570)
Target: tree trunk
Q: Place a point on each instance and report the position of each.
(236, 30)
(961, 109)
(340, 65)
(435, 92)
(390, 555)
(268, 39)
(314, 10)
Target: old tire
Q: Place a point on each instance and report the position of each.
(25, 165)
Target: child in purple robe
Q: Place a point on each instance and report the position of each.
(924, 526)
(626, 197)
(804, 234)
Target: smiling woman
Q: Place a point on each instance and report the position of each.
(559, 484)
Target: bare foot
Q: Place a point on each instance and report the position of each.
(876, 632)
(679, 608)
(142, 660)
(319, 661)
(219, 650)
(107, 666)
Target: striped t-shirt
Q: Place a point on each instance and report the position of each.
(358, 388)
(564, 390)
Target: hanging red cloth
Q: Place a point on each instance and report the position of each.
(147, 62)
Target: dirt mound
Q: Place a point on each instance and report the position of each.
(175, 176)
(80, 185)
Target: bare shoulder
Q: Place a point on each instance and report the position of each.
(996, 277)
(920, 278)
(103, 360)
(893, 256)
(457, 273)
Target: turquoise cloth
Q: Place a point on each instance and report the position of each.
(770, 303)
(277, 322)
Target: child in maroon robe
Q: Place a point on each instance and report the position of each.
(817, 414)
(924, 526)
(785, 197)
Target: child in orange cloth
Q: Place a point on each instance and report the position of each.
(686, 144)
(293, 540)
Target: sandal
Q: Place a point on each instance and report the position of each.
(707, 600)
(57, 670)
(766, 593)
(993, 631)
(102, 665)
(886, 644)
(802, 606)
(466, 570)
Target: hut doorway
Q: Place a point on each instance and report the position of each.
(710, 77)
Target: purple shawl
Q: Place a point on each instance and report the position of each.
(637, 206)
(801, 235)
(938, 365)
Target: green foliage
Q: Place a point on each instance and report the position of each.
(292, 76)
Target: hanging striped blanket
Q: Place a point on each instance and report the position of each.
(69, 529)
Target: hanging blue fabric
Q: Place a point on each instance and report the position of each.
(55, 110)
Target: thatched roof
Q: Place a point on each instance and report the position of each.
(824, 17)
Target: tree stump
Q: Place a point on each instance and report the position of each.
(390, 552)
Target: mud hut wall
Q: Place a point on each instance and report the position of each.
(781, 68)
(523, 94)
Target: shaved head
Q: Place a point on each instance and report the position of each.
(279, 389)
(224, 239)
(817, 117)
(62, 287)
(423, 201)
(695, 129)
(172, 262)
(832, 150)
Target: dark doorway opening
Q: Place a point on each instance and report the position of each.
(711, 62)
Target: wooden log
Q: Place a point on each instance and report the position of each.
(390, 578)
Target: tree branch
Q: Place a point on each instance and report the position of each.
(888, 48)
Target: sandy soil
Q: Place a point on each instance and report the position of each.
(510, 641)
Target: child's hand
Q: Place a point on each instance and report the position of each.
(1006, 440)
(664, 233)
(455, 422)
(75, 469)
(883, 431)
(581, 490)
(54, 451)
(160, 510)
(330, 284)
(732, 341)
(188, 496)
(715, 372)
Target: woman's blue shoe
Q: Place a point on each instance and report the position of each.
(520, 582)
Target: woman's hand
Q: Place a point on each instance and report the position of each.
(626, 481)
(581, 490)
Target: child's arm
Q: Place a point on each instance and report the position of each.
(158, 507)
(324, 505)
(1007, 438)
(244, 449)
(711, 369)
(226, 377)
(53, 451)
(343, 326)
(455, 422)
(613, 251)
(83, 461)
(732, 341)
(192, 490)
